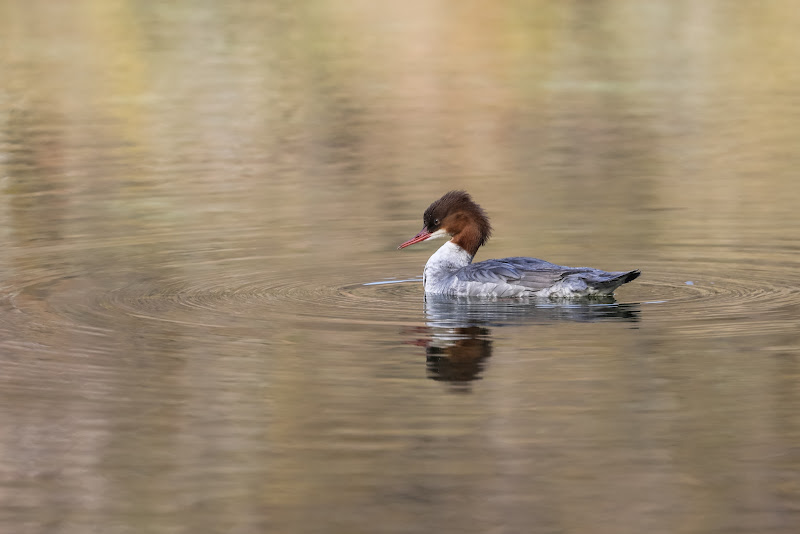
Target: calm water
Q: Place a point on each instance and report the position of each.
(205, 325)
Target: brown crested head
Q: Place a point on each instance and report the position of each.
(460, 217)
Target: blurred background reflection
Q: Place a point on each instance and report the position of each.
(205, 325)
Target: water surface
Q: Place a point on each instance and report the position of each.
(205, 325)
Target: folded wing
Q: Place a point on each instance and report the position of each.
(535, 275)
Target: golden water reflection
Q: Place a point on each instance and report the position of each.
(194, 197)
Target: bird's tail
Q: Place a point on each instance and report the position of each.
(608, 282)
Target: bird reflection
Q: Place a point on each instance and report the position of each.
(458, 338)
(458, 354)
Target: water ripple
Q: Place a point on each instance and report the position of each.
(701, 297)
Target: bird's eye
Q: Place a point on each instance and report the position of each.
(436, 222)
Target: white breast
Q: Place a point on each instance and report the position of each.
(438, 274)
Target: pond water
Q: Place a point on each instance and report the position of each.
(205, 325)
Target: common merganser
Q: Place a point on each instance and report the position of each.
(450, 270)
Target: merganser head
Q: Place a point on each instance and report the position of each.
(458, 216)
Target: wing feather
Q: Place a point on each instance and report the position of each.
(530, 273)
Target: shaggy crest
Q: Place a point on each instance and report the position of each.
(456, 210)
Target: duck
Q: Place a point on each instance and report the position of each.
(450, 270)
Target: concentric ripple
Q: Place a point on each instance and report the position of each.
(699, 297)
(722, 298)
(237, 298)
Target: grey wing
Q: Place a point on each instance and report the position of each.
(539, 274)
(527, 272)
(489, 272)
